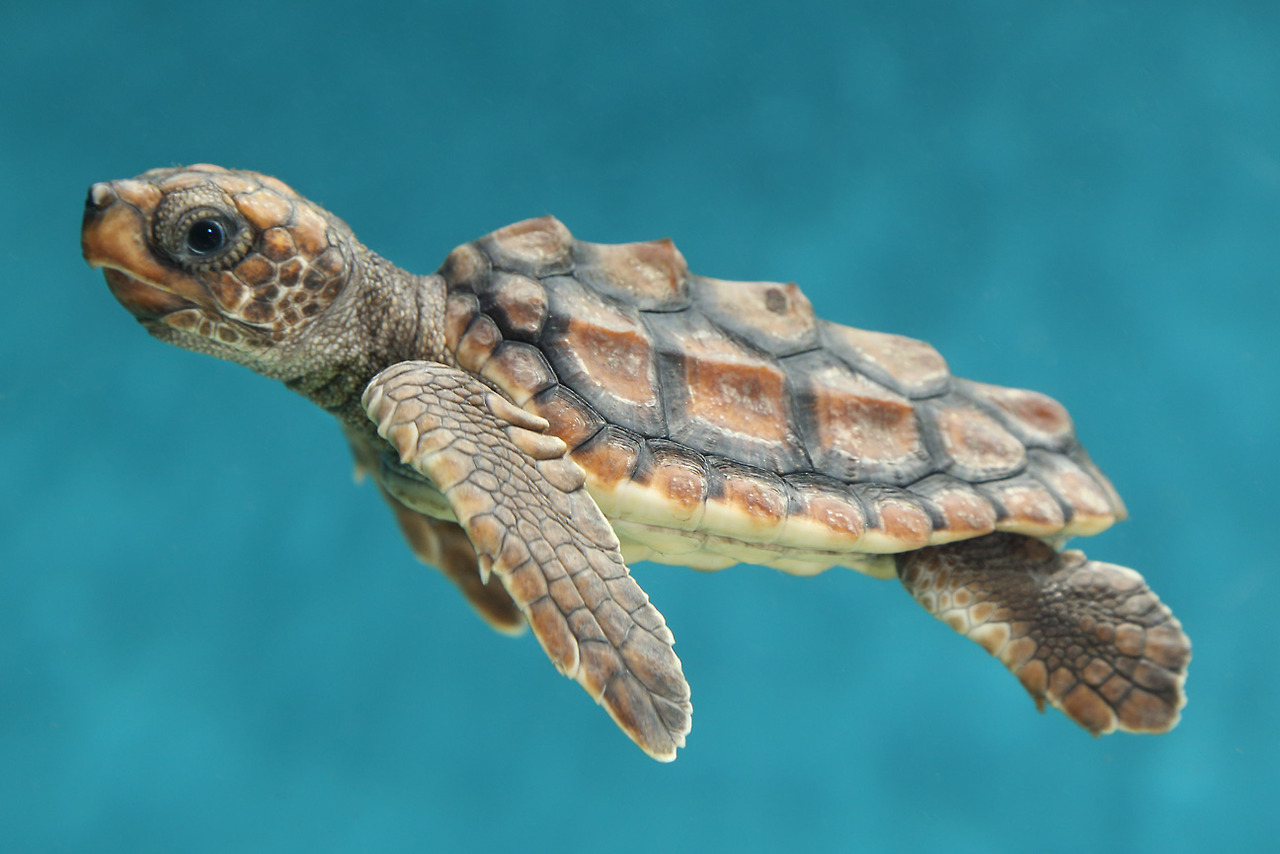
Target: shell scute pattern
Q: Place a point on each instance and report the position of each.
(746, 503)
(1024, 505)
(906, 365)
(611, 456)
(535, 247)
(961, 511)
(1087, 509)
(1080, 457)
(569, 416)
(652, 276)
(822, 514)
(519, 368)
(478, 342)
(601, 349)
(682, 476)
(466, 268)
(518, 303)
(720, 421)
(855, 428)
(971, 445)
(1036, 419)
(896, 519)
(725, 398)
(777, 318)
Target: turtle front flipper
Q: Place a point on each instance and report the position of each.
(523, 505)
(1089, 637)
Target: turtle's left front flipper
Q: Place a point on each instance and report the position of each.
(1089, 637)
(522, 502)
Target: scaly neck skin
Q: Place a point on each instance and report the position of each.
(386, 315)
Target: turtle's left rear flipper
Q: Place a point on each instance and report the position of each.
(1089, 637)
(444, 545)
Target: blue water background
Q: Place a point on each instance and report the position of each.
(210, 641)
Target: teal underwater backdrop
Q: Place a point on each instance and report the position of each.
(211, 641)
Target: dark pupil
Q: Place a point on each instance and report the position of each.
(205, 236)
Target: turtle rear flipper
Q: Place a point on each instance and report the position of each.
(1089, 637)
(523, 504)
(444, 545)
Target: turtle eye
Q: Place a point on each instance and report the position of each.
(205, 236)
(202, 237)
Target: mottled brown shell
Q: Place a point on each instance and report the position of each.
(720, 421)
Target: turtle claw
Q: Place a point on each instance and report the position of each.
(1086, 637)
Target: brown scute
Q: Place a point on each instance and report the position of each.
(856, 429)
(1024, 506)
(1088, 508)
(519, 370)
(1078, 456)
(906, 365)
(228, 335)
(465, 269)
(775, 317)
(962, 512)
(459, 310)
(723, 398)
(603, 352)
(477, 344)
(744, 502)
(974, 444)
(518, 304)
(677, 474)
(896, 520)
(652, 276)
(827, 505)
(314, 280)
(570, 417)
(736, 395)
(536, 247)
(1035, 418)
(609, 457)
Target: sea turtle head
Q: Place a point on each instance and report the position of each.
(230, 263)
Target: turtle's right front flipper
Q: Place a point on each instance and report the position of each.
(522, 503)
(1089, 637)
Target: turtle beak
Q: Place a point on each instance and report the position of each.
(113, 236)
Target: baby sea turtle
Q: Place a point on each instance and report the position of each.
(542, 411)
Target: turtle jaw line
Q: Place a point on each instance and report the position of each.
(146, 300)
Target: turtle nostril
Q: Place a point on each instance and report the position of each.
(100, 196)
